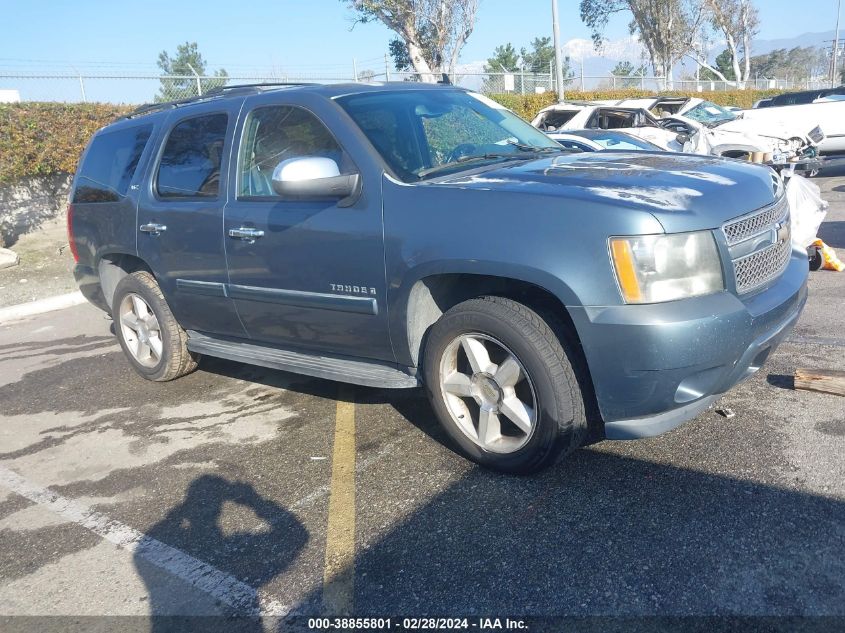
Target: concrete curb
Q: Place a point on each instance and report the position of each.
(8, 258)
(23, 310)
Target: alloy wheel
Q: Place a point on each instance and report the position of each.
(488, 393)
(141, 330)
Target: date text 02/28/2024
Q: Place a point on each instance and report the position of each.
(417, 624)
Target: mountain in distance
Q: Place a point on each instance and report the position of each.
(824, 39)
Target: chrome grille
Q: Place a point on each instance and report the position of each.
(760, 244)
(754, 270)
(741, 229)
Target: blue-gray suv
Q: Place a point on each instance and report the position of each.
(404, 234)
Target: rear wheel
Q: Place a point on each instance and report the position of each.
(503, 386)
(152, 340)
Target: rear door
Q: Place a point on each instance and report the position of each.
(312, 274)
(180, 217)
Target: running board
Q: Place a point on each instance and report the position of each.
(357, 372)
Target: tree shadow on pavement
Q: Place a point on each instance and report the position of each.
(254, 548)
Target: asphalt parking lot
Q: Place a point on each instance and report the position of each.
(239, 490)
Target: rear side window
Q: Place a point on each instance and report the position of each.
(556, 118)
(110, 164)
(190, 163)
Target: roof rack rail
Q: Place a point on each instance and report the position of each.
(215, 92)
(270, 84)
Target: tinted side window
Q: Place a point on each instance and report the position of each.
(190, 163)
(557, 118)
(276, 133)
(110, 164)
(794, 98)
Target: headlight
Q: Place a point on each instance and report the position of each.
(655, 268)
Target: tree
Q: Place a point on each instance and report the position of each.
(533, 60)
(432, 31)
(663, 26)
(179, 72)
(796, 63)
(540, 56)
(737, 22)
(399, 51)
(505, 59)
(724, 64)
(630, 74)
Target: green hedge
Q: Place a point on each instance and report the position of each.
(47, 138)
(528, 105)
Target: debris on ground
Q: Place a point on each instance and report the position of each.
(726, 413)
(829, 259)
(821, 380)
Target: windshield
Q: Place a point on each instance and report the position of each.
(709, 114)
(420, 133)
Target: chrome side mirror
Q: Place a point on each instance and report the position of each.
(314, 177)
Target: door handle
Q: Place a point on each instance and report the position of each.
(152, 229)
(245, 233)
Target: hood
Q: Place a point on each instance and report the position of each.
(780, 130)
(684, 192)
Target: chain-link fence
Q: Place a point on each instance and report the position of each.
(138, 88)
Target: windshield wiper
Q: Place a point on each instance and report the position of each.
(466, 159)
(524, 147)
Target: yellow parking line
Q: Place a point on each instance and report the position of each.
(339, 572)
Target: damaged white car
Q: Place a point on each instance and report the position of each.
(722, 132)
(689, 125)
(638, 122)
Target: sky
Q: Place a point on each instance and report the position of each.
(305, 35)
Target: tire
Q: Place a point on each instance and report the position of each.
(166, 356)
(528, 438)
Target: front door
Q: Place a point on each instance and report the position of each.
(305, 274)
(180, 218)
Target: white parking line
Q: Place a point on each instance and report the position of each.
(242, 598)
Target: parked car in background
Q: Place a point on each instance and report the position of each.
(401, 234)
(720, 131)
(587, 115)
(690, 125)
(601, 140)
(800, 97)
(825, 110)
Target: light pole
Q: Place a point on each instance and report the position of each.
(558, 66)
(836, 44)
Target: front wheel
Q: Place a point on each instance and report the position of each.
(503, 386)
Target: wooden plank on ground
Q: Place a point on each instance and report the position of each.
(822, 380)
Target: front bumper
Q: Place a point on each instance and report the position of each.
(656, 366)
